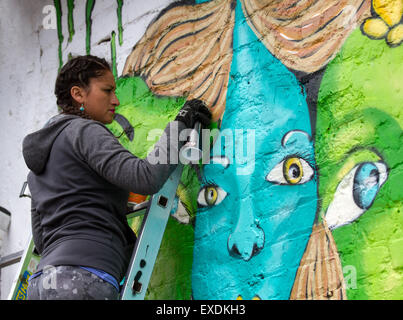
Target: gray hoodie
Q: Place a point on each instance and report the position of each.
(80, 180)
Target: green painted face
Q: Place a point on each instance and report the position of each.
(359, 152)
(144, 111)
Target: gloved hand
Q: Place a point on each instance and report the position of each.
(193, 111)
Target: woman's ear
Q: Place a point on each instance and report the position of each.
(78, 94)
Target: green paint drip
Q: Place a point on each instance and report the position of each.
(88, 12)
(113, 54)
(120, 28)
(70, 5)
(59, 29)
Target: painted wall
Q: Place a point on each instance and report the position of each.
(301, 198)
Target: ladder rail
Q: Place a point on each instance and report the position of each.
(149, 241)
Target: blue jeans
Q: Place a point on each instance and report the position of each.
(70, 283)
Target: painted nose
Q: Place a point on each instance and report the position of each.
(247, 239)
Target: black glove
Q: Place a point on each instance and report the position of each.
(193, 111)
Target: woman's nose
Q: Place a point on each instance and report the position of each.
(115, 100)
(248, 237)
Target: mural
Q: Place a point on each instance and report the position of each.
(301, 198)
(271, 197)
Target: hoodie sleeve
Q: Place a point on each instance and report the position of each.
(36, 228)
(101, 150)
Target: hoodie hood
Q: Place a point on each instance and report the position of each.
(36, 146)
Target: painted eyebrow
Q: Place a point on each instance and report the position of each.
(289, 134)
(222, 160)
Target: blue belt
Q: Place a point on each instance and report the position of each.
(101, 274)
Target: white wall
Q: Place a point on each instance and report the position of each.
(26, 102)
(28, 68)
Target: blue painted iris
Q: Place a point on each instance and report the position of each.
(366, 185)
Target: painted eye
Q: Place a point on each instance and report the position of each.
(366, 185)
(291, 171)
(210, 195)
(356, 193)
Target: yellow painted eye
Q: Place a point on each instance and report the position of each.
(210, 193)
(293, 171)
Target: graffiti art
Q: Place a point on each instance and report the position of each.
(301, 197)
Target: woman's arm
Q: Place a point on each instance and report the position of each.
(97, 146)
(36, 228)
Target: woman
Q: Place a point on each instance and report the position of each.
(80, 180)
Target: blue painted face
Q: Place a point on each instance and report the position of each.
(257, 206)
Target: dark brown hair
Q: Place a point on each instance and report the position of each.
(78, 71)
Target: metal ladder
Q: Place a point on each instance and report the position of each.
(154, 223)
(156, 213)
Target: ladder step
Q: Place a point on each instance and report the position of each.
(138, 210)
